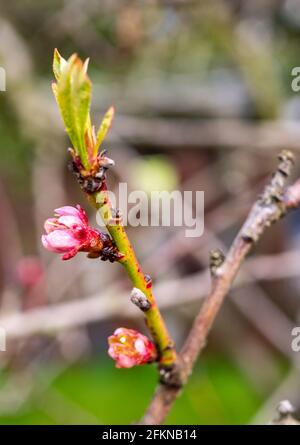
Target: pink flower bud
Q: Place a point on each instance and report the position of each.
(130, 348)
(69, 232)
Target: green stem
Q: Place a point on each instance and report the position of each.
(155, 322)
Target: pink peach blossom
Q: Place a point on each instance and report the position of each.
(130, 348)
(69, 232)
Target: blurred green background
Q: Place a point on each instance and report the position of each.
(216, 394)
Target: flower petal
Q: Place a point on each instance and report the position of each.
(50, 225)
(123, 361)
(70, 221)
(67, 211)
(46, 243)
(77, 211)
(60, 241)
(140, 346)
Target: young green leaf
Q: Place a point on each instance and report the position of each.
(58, 64)
(73, 95)
(104, 127)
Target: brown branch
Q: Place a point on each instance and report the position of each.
(269, 208)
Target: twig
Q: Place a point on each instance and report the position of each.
(269, 208)
(155, 322)
(72, 91)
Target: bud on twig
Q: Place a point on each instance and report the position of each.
(73, 91)
(140, 300)
(130, 348)
(271, 205)
(216, 259)
(69, 233)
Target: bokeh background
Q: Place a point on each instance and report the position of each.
(204, 101)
